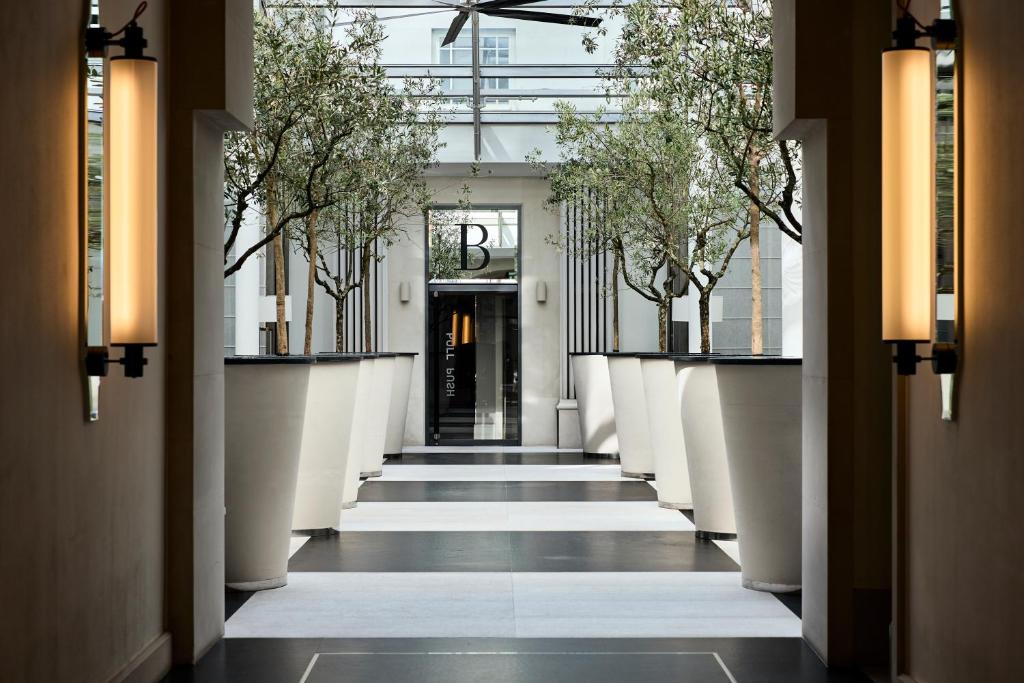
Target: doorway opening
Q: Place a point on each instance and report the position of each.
(473, 340)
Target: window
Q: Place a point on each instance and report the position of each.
(495, 49)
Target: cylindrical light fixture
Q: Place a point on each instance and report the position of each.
(133, 200)
(131, 176)
(908, 194)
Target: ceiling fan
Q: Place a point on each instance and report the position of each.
(497, 8)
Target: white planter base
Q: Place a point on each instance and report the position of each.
(401, 381)
(705, 448)
(661, 394)
(265, 410)
(761, 414)
(631, 424)
(646, 476)
(594, 402)
(750, 584)
(265, 584)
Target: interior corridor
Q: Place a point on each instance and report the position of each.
(510, 565)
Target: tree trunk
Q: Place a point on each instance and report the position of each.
(663, 309)
(307, 347)
(281, 335)
(756, 317)
(615, 303)
(367, 313)
(704, 303)
(339, 323)
(279, 293)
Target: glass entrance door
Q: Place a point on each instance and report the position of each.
(473, 365)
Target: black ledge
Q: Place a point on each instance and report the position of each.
(713, 358)
(269, 360)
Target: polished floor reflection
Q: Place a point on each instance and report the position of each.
(511, 566)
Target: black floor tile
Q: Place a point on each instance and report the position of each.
(749, 660)
(616, 551)
(521, 668)
(521, 551)
(376, 491)
(233, 600)
(485, 458)
(256, 660)
(405, 551)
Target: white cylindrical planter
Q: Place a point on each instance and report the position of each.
(401, 382)
(360, 422)
(377, 418)
(705, 449)
(636, 455)
(594, 402)
(761, 415)
(330, 406)
(661, 391)
(264, 412)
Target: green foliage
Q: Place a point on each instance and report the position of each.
(714, 60)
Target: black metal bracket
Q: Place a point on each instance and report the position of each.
(943, 32)
(98, 39)
(98, 360)
(944, 358)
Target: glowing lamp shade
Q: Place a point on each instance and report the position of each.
(132, 126)
(908, 199)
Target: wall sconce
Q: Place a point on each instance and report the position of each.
(908, 193)
(404, 293)
(542, 292)
(132, 176)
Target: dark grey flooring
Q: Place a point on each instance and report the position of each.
(518, 551)
(376, 491)
(498, 660)
(577, 660)
(470, 458)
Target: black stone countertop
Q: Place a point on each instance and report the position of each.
(713, 358)
(269, 360)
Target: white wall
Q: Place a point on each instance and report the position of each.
(539, 322)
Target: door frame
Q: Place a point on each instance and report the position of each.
(481, 287)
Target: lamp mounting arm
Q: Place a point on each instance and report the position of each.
(943, 32)
(98, 38)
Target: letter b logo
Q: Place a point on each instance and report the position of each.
(479, 245)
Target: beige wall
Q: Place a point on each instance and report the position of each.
(539, 326)
(964, 588)
(81, 505)
(91, 549)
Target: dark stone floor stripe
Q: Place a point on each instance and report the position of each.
(520, 551)
(468, 458)
(280, 660)
(376, 491)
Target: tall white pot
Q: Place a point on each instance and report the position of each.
(705, 449)
(330, 408)
(661, 392)
(360, 425)
(761, 415)
(265, 408)
(401, 382)
(376, 432)
(636, 454)
(594, 402)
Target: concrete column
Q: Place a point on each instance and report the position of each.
(827, 95)
(210, 93)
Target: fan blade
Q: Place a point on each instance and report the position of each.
(497, 4)
(545, 17)
(453, 31)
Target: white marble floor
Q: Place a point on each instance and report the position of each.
(518, 604)
(503, 473)
(513, 516)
